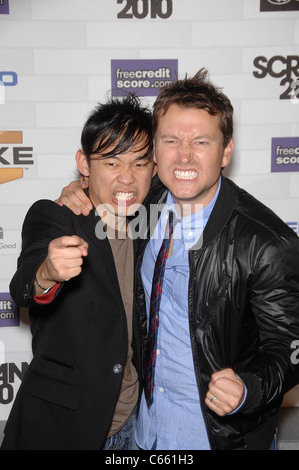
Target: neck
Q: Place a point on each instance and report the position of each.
(115, 225)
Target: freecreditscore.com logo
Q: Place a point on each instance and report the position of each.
(4, 7)
(285, 154)
(142, 77)
(9, 311)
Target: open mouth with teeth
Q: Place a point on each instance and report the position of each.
(123, 197)
(188, 175)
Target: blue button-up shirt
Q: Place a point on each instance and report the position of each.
(175, 419)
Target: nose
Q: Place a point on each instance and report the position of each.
(126, 175)
(185, 152)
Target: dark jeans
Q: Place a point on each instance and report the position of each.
(125, 438)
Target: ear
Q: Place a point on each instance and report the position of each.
(155, 150)
(227, 154)
(82, 163)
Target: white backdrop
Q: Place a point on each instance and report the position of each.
(58, 59)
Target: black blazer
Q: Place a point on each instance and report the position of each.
(68, 395)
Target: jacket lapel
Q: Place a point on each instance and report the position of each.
(94, 229)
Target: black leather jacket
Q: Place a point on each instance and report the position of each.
(243, 312)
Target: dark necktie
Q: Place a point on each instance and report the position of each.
(150, 352)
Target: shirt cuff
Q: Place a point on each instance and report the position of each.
(244, 399)
(48, 297)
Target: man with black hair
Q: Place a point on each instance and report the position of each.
(81, 389)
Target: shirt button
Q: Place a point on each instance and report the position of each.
(117, 368)
(161, 389)
(158, 351)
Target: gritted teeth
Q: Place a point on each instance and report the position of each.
(186, 175)
(123, 196)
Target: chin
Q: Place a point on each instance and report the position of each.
(126, 211)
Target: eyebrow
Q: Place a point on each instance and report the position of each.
(136, 159)
(172, 136)
(168, 136)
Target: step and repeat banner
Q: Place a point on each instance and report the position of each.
(58, 58)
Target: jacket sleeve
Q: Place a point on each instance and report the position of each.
(44, 221)
(274, 298)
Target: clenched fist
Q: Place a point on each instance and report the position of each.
(226, 392)
(64, 261)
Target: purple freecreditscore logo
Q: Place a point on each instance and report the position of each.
(9, 311)
(142, 77)
(285, 154)
(4, 7)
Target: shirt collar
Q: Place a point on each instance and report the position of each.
(187, 227)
